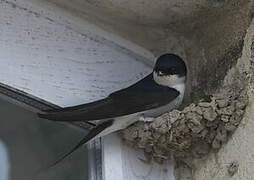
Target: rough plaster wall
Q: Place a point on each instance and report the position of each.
(239, 149)
(214, 43)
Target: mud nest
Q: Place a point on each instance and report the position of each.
(195, 131)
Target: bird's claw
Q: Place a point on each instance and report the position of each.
(146, 119)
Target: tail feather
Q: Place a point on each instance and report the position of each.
(92, 133)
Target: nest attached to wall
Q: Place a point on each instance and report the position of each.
(195, 131)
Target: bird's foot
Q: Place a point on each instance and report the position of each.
(146, 119)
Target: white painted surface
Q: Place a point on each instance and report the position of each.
(112, 155)
(51, 57)
(4, 162)
(123, 162)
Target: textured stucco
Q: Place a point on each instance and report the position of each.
(239, 150)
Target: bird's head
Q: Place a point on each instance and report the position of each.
(170, 70)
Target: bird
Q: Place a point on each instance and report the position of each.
(160, 91)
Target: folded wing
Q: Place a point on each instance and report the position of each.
(143, 95)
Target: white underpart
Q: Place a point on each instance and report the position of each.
(172, 81)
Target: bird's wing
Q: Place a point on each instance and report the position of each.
(142, 96)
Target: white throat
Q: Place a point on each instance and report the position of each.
(173, 81)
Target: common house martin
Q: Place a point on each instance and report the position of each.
(155, 94)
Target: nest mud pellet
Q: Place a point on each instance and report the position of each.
(195, 131)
